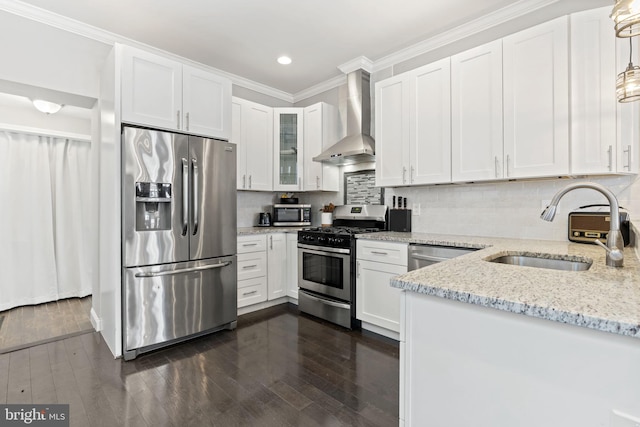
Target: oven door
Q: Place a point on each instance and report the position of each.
(326, 271)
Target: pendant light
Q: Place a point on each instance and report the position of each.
(628, 82)
(626, 15)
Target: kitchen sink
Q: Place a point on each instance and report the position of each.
(567, 263)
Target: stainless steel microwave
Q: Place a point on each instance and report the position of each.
(289, 215)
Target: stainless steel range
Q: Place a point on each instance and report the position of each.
(326, 263)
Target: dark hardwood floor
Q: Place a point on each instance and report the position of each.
(277, 368)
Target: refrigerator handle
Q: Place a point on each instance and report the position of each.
(182, 270)
(194, 163)
(185, 196)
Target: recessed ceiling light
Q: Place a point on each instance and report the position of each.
(46, 106)
(284, 60)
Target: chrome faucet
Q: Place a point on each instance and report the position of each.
(615, 243)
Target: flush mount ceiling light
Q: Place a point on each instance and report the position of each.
(628, 82)
(284, 60)
(46, 107)
(626, 15)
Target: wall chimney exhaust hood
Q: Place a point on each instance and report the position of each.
(358, 146)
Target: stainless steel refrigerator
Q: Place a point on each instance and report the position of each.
(178, 238)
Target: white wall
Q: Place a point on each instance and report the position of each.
(508, 209)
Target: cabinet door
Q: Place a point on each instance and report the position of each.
(392, 131)
(287, 159)
(292, 265)
(593, 96)
(206, 103)
(257, 138)
(376, 301)
(536, 101)
(476, 113)
(277, 266)
(430, 128)
(151, 90)
(320, 132)
(628, 114)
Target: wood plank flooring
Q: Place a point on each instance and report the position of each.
(28, 325)
(278, 368)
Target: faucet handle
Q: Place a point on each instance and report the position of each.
(614, 254)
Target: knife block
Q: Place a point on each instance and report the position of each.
(400, 220)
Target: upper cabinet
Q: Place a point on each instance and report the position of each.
(476, 114)
(320, 133)
(536, 102)
(288, 146)
(603, 131)
(252, 131)
(166, 94)
(413, 130)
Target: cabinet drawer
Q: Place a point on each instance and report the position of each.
(389, 253)
(248, 244)
(252, 291)
(252, 265)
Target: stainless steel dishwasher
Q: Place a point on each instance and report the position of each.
(424, 255)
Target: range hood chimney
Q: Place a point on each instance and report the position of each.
(358, 146)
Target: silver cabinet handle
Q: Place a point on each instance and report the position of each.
(496, 167)
(249, 182)
(379, 253)
(178, 115)
(508, 160)
(249, 244)
(610, 152)
(244, 181)
(317, 182)
(411, 175)
(182, 270)
(244, 294)
(404, 174)
(271, 242)
(194, 165)
(628, 151)
(246, 267)
(187, 121)
(185, 196)
(358, 269)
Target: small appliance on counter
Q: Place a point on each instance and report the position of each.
(291, 215)
(264, 219)
(400, 218)
(591, 222)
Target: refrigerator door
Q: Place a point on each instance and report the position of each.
(213, 203)
(168, 302)
(154, 197)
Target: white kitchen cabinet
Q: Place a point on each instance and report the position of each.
(476, 114)
(252, 131)
(413, 130)
(252, 270)
(288, 134)
(320, 133)
(277, 266)
(162, 93)
(627, 115)
(292, 265)
(392, 124)
(536, 101)
(377, 303)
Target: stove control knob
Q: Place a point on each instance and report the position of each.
(322, 239)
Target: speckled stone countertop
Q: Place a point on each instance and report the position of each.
(247, 231)
(602, 298)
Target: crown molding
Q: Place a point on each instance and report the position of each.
(478, 25)
(361, 62)
(320, 88)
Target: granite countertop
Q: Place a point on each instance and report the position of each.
(602, 298)
(247, 231)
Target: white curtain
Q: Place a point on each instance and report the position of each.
(46, 248)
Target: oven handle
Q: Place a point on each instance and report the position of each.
(326, 302)
(322, 250)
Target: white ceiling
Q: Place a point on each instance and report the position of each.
(244, 37)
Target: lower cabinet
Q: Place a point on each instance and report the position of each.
(267, 268)
(377, 303)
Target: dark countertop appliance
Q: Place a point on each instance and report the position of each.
(326, 263)
(591, 222)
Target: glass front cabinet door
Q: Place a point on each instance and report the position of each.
(288, 131)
